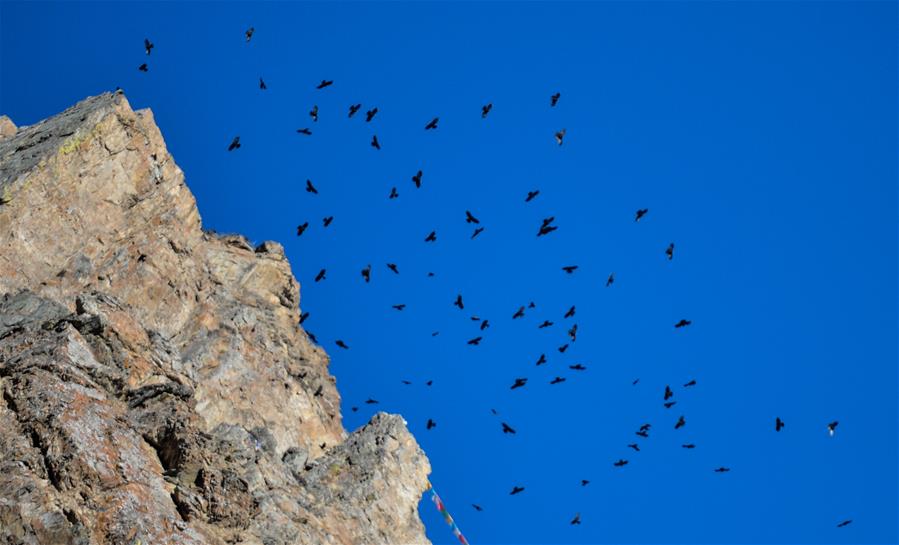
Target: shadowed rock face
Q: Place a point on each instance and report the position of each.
(156, 385)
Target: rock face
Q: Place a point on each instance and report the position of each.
(156, 384)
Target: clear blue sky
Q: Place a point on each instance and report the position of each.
(761, 137)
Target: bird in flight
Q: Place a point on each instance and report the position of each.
(431, 424)
(560, 136)
(832, 427)
(249, 33)
(532, 195)
(399, 307)
(620, 463)
(507, 428)
(143, 67)
(307, 131)
(485, 324)
(393, 267)
(670, 404)
(432, 124)
(668, 392)
(546, 228)
(670, 251)
(393, 193)
(371, 401)
(486, 110)
(262, 84)
(570, 268)
(518, 314)
(691, 383)
(681, 422)
(635, 446)
(327, 220)
(476, 341)
(640, 213)
(458, 302)
(477, 231)
(553, 100)
(584, 482)
(374, 142)
(682, 323)
(577, 367)
(573, 333)
(557, 380)
(516, 490)
(570, 312)
(311, 188)
(469, 218)
(778, 424)
(369, 115)
(545, 324)
(610, 280)
(325, 83)
(722, 470)
(417, 179)
(353, 109)
(844, 523)
(313, 113)
(366, 274)
(688, 445)
(576, 519)
(148, 46)
(320, 276)
(542, 359)
(642, 433)
(302, 228)
(519, 382)
(303, 317)
(235, 143)
(432, 237)
(477, 507)
(341, 344)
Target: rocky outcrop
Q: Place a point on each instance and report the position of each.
(156, 384)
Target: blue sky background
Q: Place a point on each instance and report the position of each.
(761, 137)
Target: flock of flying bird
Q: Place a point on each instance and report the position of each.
(546, 228)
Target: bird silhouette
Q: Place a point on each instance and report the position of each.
(393, 267)
(681, 422)
(722, 470)
(643, 434)
(302, 228)
(143, 67)
(326, 221)
(570, 268)
(507, 428)
(431, 424)
(577, 367)
(313, 113)
(670, 404)
(486, 110)
(518, 314)
(645, 427)
(476, 341)
(393, 193)
(235, 143)
(573, 333)
(620, 463)
(341, 344)
(303, 317)
(542, 359)
(406, 382)
(584, 482)
(477, 231)
(432, 237)
(429, 383)
(546, 229)
(249, 33)
(634, 446)
(670, 251)
(668, 392)
(832, 427)
(353, 109)
(485, 324)
(374, 142)
(325, 83)
(560, 136)
(688, 445)
(576, 519)
(545, 324)
(366, 273)
(417, 179)
(532, 195)
(318, 391)
(262, 84)
(640, 213)
(778, 424)
(305, 130)
(557, 380)
(519, 382)
(610, 280)
(682, 323)
(311, 188)
(563, 348)
(320, 276)
(458, 302)
(516, 490)
(553, 100)
(689, 384)
(371, 401)
(477, 507)
(844, 523)
(311, 337)
(470, 218)
(148, 46)
(369, 115)
(432, 124)
(570, 312)
(399, 307)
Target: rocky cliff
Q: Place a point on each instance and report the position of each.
(156, 384)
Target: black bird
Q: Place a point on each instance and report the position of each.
(553, 100)
(302, 228)
(477, 507)
(563, 348)
(494, 411)
(303, 317)
(620, 463)
(148, 46)
(313, 113)
(642, 433)
(778, 424)
(393, 193)
(374, 142)
(844, 523)
(542, 359)
(307, 131)
(406, 382)
(476, 341)
(532, 305)
(668, 392)
(682, 323)
(532, 195)
(399, 307)
(485, 324)
(354, 409)
(584, 482)
(577, 367)
(371, 401)
(366, 274)
(428, 383)
(557, 380)
(573, 333)
(392, 267)
(325, 83)
(681, 422)
(635, 446)
(519, 382)
(327, 220)
(570, 312)
(477, 231)
(722, 470)
(369, 115)
(640, 213)
(832, 427)
(546, 229)
(431, 237)
(670, 251)
(341, 344)
(311, 188)
(610, 280)
(318, 391)
(518, 314)
(458, 302)
(417, 179)
(516, 490)
(432, 124)
(670, 404)
(469, 218)
(570, 268)
(353, 109)
(688, 445)
(320, 276)
(311, 337)
(560, 136)
(546, 323)
(143, 67)
(576, 519)
(645, 427)
(691, 383)
(431, 424)
(323, 446)
(249, 33)
(262, 84)
(486, 110)
(507, 428)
